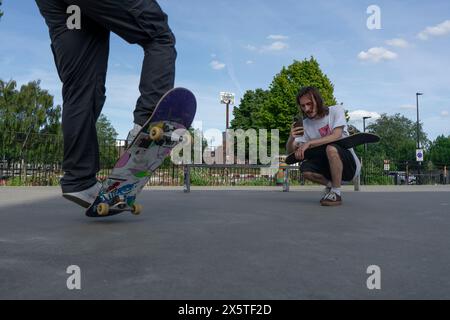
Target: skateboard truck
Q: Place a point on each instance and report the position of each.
(103, 208)
(160, 131)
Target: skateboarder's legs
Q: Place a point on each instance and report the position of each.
(81, 58)
(140, 22)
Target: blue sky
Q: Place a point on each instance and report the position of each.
(240, 45)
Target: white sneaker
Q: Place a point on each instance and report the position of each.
(86, 197)
(326, 191)
(133, 133)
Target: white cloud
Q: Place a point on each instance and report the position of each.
(445, 113)
(217, 65)
(397, 42)
(249, 62)
(377, 54)
(408, 106)
(276, 46)
(439, 30)
(358, 115)
(277, 37)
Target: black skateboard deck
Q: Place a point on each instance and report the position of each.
(347, 143)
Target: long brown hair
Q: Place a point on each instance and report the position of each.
(314, 93)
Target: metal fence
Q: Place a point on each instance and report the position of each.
(35, 160)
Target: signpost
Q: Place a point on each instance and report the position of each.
(419, 155)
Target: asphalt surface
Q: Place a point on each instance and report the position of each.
(248, 244)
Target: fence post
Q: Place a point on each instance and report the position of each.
(445, 175)
(286, 180)
(187, 178)
(357, 182)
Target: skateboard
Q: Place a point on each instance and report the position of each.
(175, 110)
(347, 143)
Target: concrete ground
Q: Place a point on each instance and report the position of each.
(249, 243)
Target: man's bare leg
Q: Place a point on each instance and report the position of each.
(336, 166)
(316, 178)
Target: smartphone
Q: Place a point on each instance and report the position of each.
(298, 121)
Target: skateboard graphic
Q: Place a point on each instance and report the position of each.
(347, 143)
(175, 110)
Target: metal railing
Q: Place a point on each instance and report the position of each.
(35, 160)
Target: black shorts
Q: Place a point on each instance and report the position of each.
(322, 166)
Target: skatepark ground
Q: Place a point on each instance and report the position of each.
(245, 243)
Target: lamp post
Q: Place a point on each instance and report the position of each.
(227, 98)
(364, 130)
(418, 132)
(418, 126)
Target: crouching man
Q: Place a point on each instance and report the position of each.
(322, 125)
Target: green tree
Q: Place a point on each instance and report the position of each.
(1, 12)
(439, 152)
(246, 115)
(398, 138)
(107, 139)
(29, 122)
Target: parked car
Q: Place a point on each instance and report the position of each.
(401, 177)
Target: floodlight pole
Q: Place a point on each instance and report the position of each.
(227, 125)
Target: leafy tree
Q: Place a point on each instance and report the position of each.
(439, 152)
(246, 115)
(1, 12)
(107, 139)
(29, 122)
(398, 138)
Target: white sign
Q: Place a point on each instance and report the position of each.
(387, 165)
(227, 98)
(419, 155)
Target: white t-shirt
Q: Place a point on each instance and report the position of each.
(319, 128)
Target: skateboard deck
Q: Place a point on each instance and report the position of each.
(347, 143)
(175, 110)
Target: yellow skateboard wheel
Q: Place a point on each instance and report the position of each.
(136, 209)
(103, 209)
(156, 133)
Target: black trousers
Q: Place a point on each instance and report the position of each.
(81, 58)
(321, 165)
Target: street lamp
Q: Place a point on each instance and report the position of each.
(418, 133)
(364, 130)
(418, 126)
(227, 98)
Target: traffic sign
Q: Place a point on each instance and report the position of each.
(419, 155)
